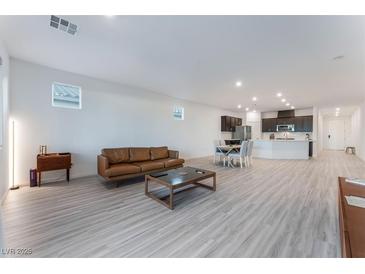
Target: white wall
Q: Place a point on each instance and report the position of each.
(320, 133)
(361, 138)
(4, 107)
(253, 119)
(358, 130)
(112, 115)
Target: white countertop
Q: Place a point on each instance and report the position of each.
(282, 140)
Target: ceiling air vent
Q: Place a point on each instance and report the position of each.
(62, 24)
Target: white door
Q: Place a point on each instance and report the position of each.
(335, 134)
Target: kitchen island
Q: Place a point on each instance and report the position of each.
(281, 149)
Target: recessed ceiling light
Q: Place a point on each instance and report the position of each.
(254, 111)
(292, 107)
(109, 15)
(287, 104)
(279, 94)
(238, 84)
(254, 98)
(337, 109)
(283, 100)
(247, 109)
(239, 106)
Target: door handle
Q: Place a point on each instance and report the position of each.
(329, 136)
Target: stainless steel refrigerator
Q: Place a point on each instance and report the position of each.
(242, 133)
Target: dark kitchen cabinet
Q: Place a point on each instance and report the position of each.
(229, 123)
(304, 123)
(308, 123)
(285, 121)
(239, 122)
(299, 124)
(310, 149)
(269, 125)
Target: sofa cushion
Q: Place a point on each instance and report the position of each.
(173, 162)
(116, 155)
(159, 153)
(138, 154)
(121, 169)
(150, 165)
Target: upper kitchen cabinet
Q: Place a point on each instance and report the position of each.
(301, 123)
(304, 123)
(286, 121)
(269, 125)
(229, 123)
(308, 123)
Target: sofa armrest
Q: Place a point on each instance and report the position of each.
(173, 154)
(103, 164)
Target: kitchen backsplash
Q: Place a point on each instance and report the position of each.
(295, 135)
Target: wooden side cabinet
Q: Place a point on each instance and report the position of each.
(53, 161)
(351, 220)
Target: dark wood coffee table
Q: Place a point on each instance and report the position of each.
(177, 179)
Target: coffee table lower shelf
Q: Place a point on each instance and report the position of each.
(168, 200)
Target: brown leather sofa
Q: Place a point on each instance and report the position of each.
(124, 163)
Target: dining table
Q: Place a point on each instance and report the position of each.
(227, 149)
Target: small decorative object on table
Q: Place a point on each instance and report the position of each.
(42, 150)
(54, 161)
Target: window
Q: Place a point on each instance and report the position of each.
(178, 113)
(66, 96)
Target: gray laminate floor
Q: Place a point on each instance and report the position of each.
(272, 209)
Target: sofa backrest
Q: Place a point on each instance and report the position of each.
(159, 153)
(116, 155)
(134, 154)
(138, 154)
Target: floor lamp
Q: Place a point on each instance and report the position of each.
(13, 187)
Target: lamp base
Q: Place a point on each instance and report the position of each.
(14, 187)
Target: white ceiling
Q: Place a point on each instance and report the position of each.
(200, 58)
(343, 111)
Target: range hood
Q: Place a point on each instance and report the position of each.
(286, 113)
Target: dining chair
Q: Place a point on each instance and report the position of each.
(218, 152)
(240, 154)
(248, 157)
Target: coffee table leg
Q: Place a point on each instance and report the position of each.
(146, 185)
(171, 198)
(214, 183)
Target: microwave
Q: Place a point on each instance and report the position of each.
(285, 128)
